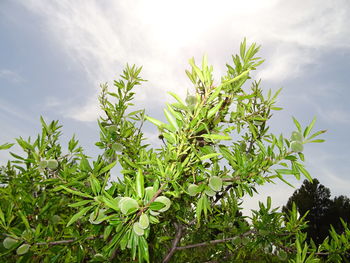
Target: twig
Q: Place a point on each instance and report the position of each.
(217, 241)
(66, 241)
(176, 240)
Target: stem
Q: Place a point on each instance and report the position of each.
(211, 242)
(176, 240)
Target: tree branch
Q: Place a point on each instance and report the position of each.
(176, 240)
(217, 241)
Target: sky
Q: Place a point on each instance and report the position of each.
(55, 54)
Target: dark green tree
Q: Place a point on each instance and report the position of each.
(314, 200)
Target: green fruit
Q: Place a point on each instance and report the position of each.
(138, 229)
(52, 164)
(22, 249)
(154, 213)
(193, 189)
(117, 147)
(43, 164)
(55, 219)
(165, 200)
(113, 128)
(282, 255)
(9, 242)
(297, 136)
(245, 240)
(144, 221)
(209, 192)
(215, 183)
(127, 205)
(296, 146)
(191, 100)
(149, 192)
(236, 241)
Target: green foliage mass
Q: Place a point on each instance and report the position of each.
(179, 202)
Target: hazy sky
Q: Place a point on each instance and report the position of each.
(54, 54)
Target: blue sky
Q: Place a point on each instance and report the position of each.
(54, 54)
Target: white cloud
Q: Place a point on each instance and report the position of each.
(162, 35)
(11, 76)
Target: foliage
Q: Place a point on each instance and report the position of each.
(313, 199)
(179, 202)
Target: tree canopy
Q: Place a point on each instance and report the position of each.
(313, 199)
(179, 202)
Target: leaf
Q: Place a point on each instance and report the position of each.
(316, 134)
(215, 109)
(209, 156)
(75, 192)
(156, 206)
(77, 204)
(309, 128)
(216, 137)
(6, 146)
(78, 215)
(171, 120)
(95, 184)
(156, 122)
(140, 189)
(107, 168)
(177, 98)
(215, 94)
(297, 124)
(242, 75)
(304, 171)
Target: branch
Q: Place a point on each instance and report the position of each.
(217, 241)
(176, 240)
(66, 241)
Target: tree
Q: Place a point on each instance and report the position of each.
(313, 199)
(179, 202)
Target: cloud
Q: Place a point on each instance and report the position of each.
(11, 76)
(100, 38)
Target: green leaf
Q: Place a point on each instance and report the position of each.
(215, 109)
(6, 146)
(297, 124)
(209, 156)
(156, 206)
(81, 203)
(107, 168)
(156, 122)
(177, 98)
(216, 137)
(215, 94)
(171, 120)
(140, 184)
(78, 215)
(95, 184)
(75, 192)
(309, 128)
(304, 171)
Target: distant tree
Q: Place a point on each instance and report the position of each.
(313, 198)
